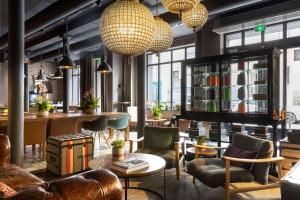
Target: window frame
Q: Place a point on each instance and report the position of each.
(78, 99)
(171, 63)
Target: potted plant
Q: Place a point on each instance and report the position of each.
(42, 106)
(89, 102)
(118, 150)
(201, 139)
(156, 111)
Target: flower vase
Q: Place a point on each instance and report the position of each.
(90, 111)
(118, 154)
(42, 113)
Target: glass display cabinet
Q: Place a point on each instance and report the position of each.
(241, 87)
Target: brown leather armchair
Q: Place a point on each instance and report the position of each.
(91, 185)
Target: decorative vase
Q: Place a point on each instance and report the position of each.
(42, 113)
(156, 117)
(118, 154)
(90, 111)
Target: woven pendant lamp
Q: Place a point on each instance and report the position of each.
(127, 27)
(196, 17)
(179, 6)
(163, 37)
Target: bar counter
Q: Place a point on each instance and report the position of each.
(60, 117)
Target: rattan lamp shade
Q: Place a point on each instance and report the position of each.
(196, 17)
(127, 27)
(163, 37)
(179, 6)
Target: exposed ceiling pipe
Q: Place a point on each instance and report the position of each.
(53, 13)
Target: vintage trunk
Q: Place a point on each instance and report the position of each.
(291, 152)
(68, 154)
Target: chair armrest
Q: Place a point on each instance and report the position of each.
(208, 147)
(134, 141)
(4, 150)
(262, 160)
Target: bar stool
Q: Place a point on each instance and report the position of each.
(35, 133)
(120, 123)
(98, 125)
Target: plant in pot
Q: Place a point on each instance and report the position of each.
(156, 111)
(42, 106)
(118, 150)
(89, 102)
(201, 140)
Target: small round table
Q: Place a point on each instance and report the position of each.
(206, 153)
(156, 165)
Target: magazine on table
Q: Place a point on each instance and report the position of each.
(130, 165)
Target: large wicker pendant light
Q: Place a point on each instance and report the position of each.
(196, 17)
(179, 6)
(127, 27)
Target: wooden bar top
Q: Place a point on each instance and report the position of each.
(32, 116)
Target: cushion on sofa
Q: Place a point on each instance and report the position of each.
(6, 191)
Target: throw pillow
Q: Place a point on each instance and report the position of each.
(6, 191)
(233, 151)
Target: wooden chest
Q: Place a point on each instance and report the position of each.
(291, 152)
(68, 154)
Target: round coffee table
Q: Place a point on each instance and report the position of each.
(156, 165)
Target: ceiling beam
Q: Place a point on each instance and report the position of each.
(53, 13)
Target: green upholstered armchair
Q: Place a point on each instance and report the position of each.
(228, 171)
(163, 142)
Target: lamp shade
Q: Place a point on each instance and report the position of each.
(58, 74)
(179, 6)
(41, 76)
(163, 37)
(196, 17)
(104, 67)
(67, 62)
(127, 27)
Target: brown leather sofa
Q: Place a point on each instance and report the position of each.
(91, 185)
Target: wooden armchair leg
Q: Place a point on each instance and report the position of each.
(194, 180)
(227, 194)
(177, 171)
(44, 150)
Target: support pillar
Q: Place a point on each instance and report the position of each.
(141, 94)
(67, 90)
(16, 79)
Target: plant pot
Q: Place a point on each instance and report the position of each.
(90, 111)
(156, 117)
(42, 113)
(118, 153)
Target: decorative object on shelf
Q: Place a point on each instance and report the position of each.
(163, 37)
(242, 93)
(241, 79)
(212, 94)
(196, 17)
(241, 107)
(227, 94)
(66, 62)
(212, 106)
(42, 106)
(241, 65)
(201, 139)
(227, 79)
(118, 150)
(127, 27)
(89, 102)
(179, 6)
(214, 80)
(156, 111)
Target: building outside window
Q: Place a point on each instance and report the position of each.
(252, 37)
(274, 32)
(75, 85)
(293, 29)
(233, 39)
(164, 76)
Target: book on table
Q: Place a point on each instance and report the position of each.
(130, 165)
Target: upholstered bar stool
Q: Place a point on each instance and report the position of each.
(62, 126)
(98, 126)
(35, 133)
(119, 123)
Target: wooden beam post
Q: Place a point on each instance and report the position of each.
(16, 30)
(141, 94)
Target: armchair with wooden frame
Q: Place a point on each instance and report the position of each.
(164, 142)
(229, 171)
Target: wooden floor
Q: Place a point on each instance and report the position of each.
(184, 189)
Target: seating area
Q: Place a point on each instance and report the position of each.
(148, 100)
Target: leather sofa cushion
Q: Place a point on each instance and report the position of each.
(211, 171)
(6, 191)
(18, 178)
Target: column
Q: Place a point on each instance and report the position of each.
(141, 97)
(26, 88)
(16, 79)
(67, 90)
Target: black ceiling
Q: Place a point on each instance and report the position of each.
(83, 17)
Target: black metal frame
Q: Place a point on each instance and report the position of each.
(127, 186)
(158, 64)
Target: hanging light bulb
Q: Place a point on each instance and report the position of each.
(66, 62)
(59, 73)
(196, 17)
(179, 6)
(41, 75)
